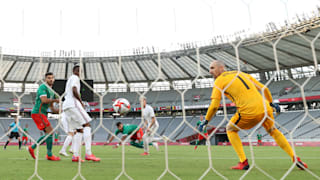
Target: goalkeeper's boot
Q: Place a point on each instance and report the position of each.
(144, 154)
(77, 159)
(53, 158)
(242, 165)
(301, 165)
(92, 158)
(31, 151)
(195, 147)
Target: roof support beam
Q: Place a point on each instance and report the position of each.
(232, 54)
(161, 69)
(179, 65)
(300, 44)
(262, 55)
(104, 73)
(6, 75)
(290, 54)
(28, 71)
(196, 61)
(144, 73)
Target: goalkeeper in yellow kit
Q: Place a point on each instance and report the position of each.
(243, 90)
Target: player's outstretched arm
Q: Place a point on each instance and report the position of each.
(213, 108)
(109, 141)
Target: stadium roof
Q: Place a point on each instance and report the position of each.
(255, 54)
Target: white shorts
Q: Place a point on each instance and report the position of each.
(64, 123)
(77, 117)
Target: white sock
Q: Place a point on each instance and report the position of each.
(72, 144)
(77, 143)
(145, 143)
(66, 143)
(87, 139)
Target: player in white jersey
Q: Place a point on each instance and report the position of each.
(69, 138)
(78, 118)
(151, 126)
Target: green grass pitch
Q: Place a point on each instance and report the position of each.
(184, 161)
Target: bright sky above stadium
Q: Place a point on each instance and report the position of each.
(108, 25)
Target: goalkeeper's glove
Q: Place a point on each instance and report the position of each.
(276, 107)
(202, 125)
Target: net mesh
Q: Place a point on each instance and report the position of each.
(274, 42)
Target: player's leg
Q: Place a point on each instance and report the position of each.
(234, 138)
(43, 123)
(200, 137)
(280, 139)
(154, 139)
(40, 125)
(84, 119)
(135, 144)
(72, 144)
(49, 142)
(77, 144)
(66, 143)
(20, 142)
(24, 140)
(87, 138)
(146, 139)
(75, 125)
(8, 141)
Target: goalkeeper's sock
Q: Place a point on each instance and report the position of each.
(49, 145)
(236, 144)
(20, 144)
(87, 139)
(66, 143)
(5, 146)
(282, 142)
(40, 139)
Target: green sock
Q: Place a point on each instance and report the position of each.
(49, 145)
(197, 142)
(138, 145)
(35, 145)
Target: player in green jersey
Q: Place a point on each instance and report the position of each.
(24, 135)
(126, 130)
(200, 137)
(44, 100)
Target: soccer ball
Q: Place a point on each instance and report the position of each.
(121, 106)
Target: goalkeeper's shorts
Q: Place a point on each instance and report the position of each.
(239, 121)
